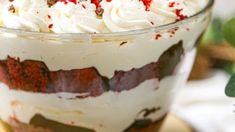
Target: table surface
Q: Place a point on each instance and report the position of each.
(175, 124)
(172, 124)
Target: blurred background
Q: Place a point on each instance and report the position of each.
(202, 106)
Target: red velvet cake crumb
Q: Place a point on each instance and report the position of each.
(3, 73)
(180, 15)
(27, 75)
(96, 2)
(147, 4)
(77, 81)
(171, 4)
(15, 71)
(36, 75)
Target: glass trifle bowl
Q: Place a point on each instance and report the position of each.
(87, 82)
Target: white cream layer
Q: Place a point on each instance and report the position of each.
(106, 55)
(108, 112)
(111, 111)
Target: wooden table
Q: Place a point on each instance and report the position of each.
(172, 124)
(175, 124)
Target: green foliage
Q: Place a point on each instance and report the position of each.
(230, 88)
(214, 32)
(229, 31)
(229, 67)
(229, 35)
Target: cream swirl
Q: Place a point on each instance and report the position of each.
(167, 8)
(123, 15)
(75, 18)
(25, 15)
(80, 16)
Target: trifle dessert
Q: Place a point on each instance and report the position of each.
(95, 65)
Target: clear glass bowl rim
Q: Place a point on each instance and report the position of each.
(112, 34)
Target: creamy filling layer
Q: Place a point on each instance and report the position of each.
(94, 113)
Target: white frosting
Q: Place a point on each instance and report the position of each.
(71, 18)
(28, 15)
(119, 15)
(123, 15)
(189, 7)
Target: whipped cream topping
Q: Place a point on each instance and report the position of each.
(25, 14)
(75, 18)
(122, 15)
(92, 16)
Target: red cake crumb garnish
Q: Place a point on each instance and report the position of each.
(49, 16)
(147, 4)
(171, 4)
(73, 1)
(50, 26)
(96, 2)
(158, 36)
(179, 15)
(173, 31)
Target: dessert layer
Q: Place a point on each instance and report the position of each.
(94, 16)
(148, 101)
(35, 76)
(80, 52)
(67, 109)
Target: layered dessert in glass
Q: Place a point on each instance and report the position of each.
(95, 66)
